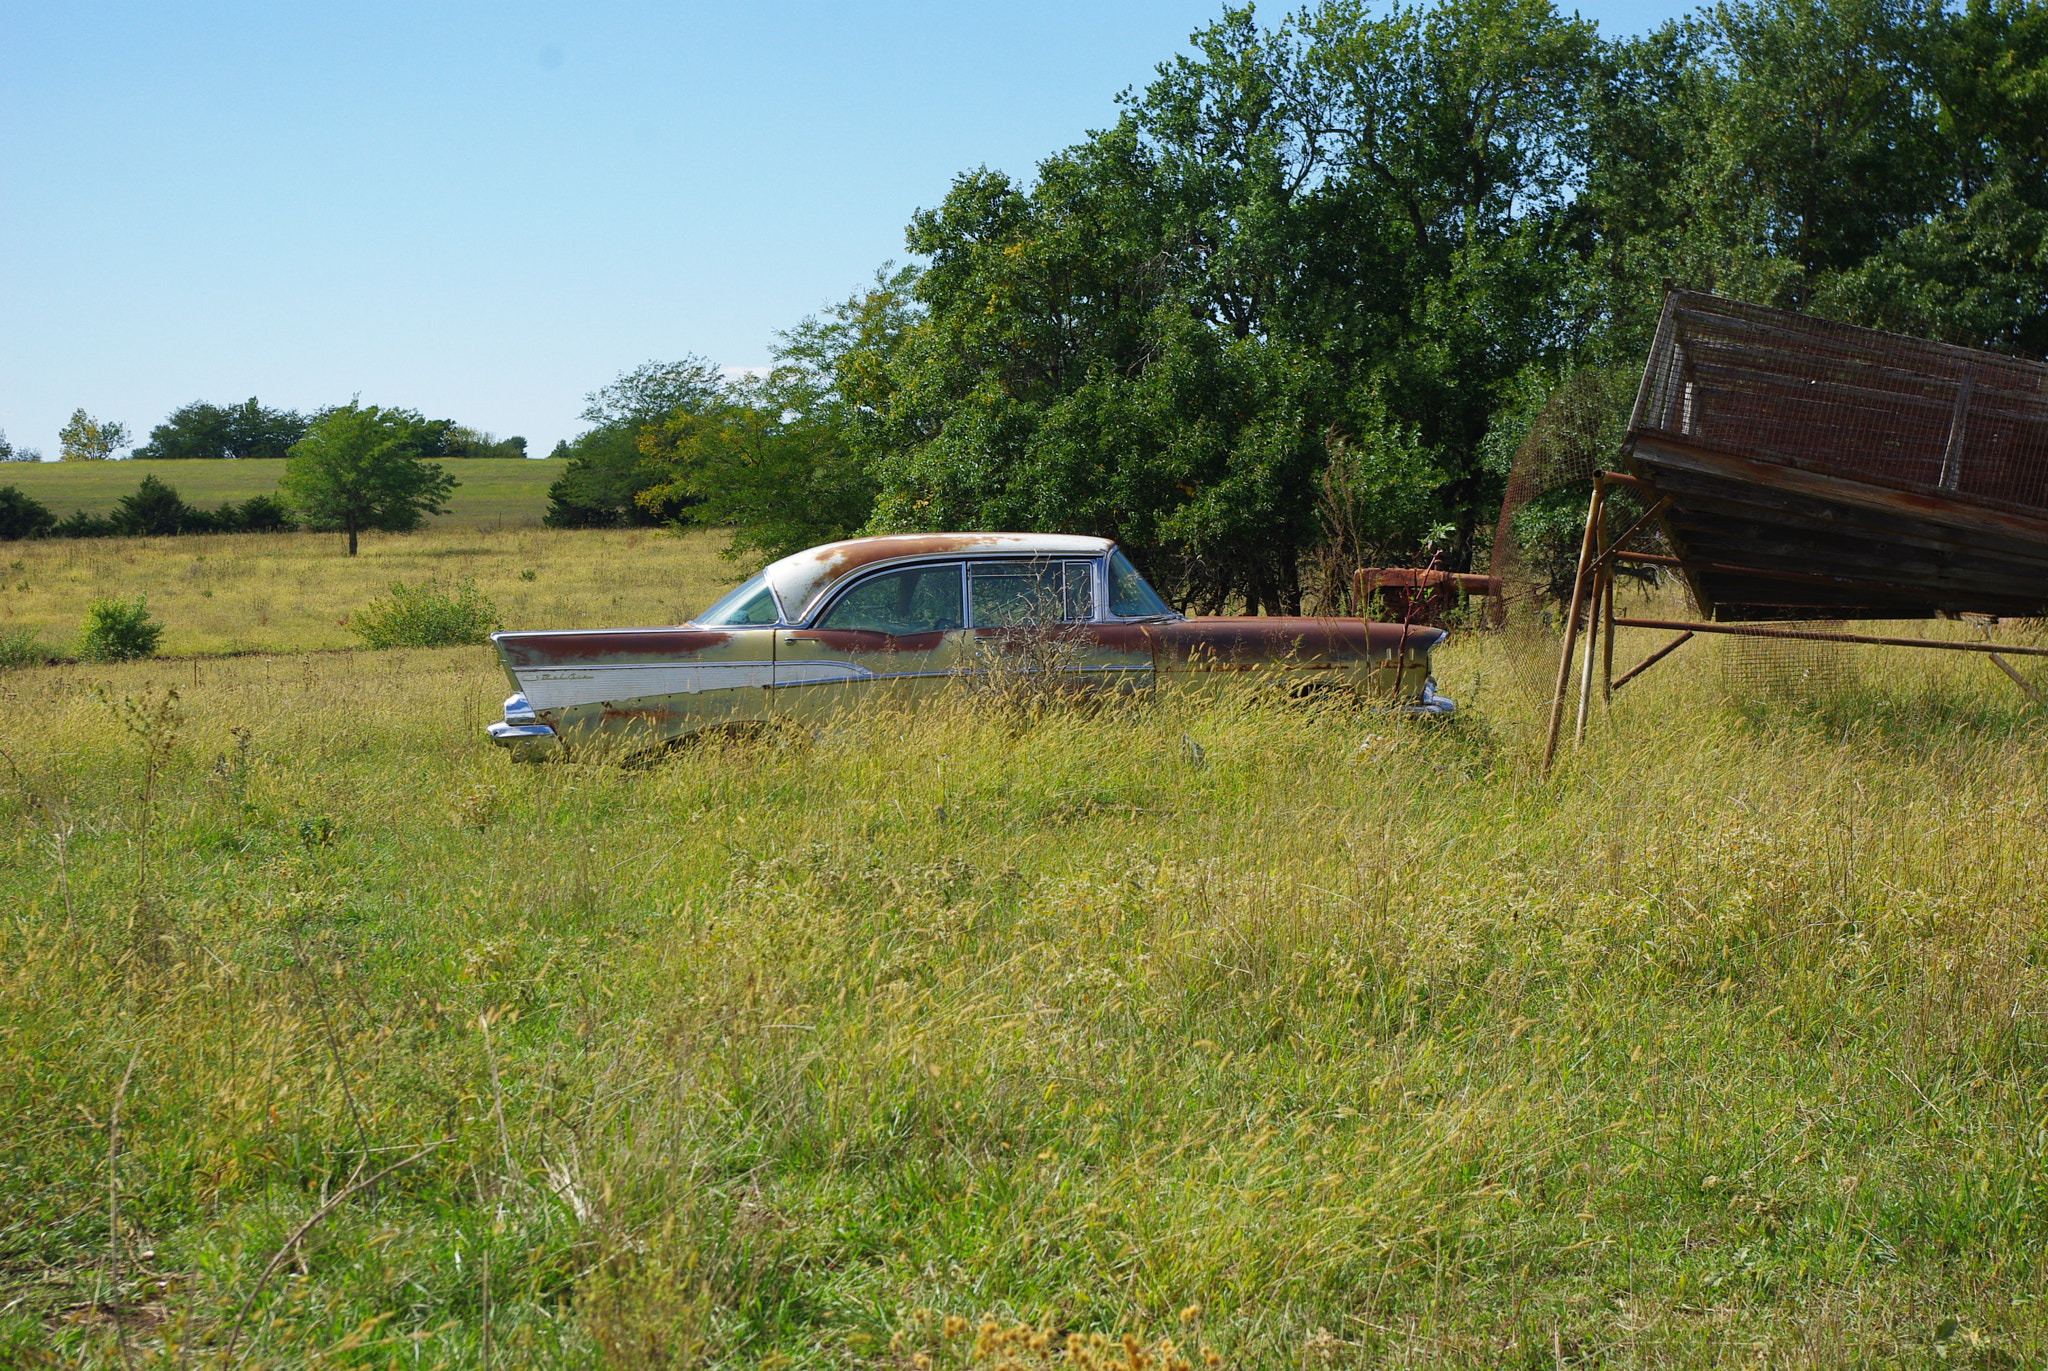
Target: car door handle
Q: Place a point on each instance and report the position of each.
(805, 638)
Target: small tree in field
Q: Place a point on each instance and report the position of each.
(86, 439)
(359, 467)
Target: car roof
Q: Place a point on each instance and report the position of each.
(802, 579)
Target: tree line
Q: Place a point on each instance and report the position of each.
(248, 430)
(353, 469)
(1317, 277)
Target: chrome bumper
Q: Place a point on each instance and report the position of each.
(522, 733)
(1433, 703)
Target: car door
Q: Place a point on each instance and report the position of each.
(892, 635)
(1042, 617)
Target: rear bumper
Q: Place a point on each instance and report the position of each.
(522, 734)
(1432, 703)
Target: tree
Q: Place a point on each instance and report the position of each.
(606, 469)
(22, 515)
(201, 430)
(156, 510)
(86, 439)
(360, 467)
(10, 453)
(1350, 233)
(771, 462)
(469, 443)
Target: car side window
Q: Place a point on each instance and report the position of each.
(918, 599)
(1006, 594)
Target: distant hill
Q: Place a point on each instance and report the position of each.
(491, 491)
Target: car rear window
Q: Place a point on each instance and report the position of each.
(1035, 592)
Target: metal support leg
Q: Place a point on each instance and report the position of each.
(1607, 638)
(1597, 573)
(2026, 687)
(1571, 629)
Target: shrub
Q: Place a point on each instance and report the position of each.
(19, 647)
(83, 525)
(23, 515)
(116, 630)
(426, 616)
(257, 514)
(154, 509)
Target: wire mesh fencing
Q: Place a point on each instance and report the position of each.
(1839, 400)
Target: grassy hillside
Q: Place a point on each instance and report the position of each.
(292, 591)
(490, 493)
(1313, 1038)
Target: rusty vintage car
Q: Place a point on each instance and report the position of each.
(904, 616)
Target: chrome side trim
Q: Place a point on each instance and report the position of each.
(824, 673)
(561, 687)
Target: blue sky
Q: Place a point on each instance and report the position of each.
(483, 211)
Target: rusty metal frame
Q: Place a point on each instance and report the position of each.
(1593, 592)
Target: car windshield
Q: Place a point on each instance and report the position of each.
(751, 603)
(1129, 596)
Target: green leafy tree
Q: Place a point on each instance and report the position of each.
(464, 442)
(606, 469)
(1352, 232)
(86, 439)
(11, 452)
(22, 515)
(156, 510)
(362, 467)
(1868, 160)
(771, 463)
(201, 430)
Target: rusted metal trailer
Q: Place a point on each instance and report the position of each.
(1820, 470)
(1803, 469)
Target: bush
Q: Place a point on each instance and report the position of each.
(118, 631)
(19, 647)
(155, 510)
(426, 616)
(83, 525)
(257, 514)
(22, 515)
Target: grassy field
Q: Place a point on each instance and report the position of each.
(488, 494)
(1314, 1039)
(286, 592)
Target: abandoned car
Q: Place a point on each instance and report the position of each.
(906, 615)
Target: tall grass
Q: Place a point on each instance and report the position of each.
(1339, 1040)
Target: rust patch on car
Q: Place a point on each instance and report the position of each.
(1291, 641)
(804, 579)
(864, 640)
(618, 644)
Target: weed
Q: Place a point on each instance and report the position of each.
(117, 630)
(22, 647)
(426, 615)
(154, 721)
